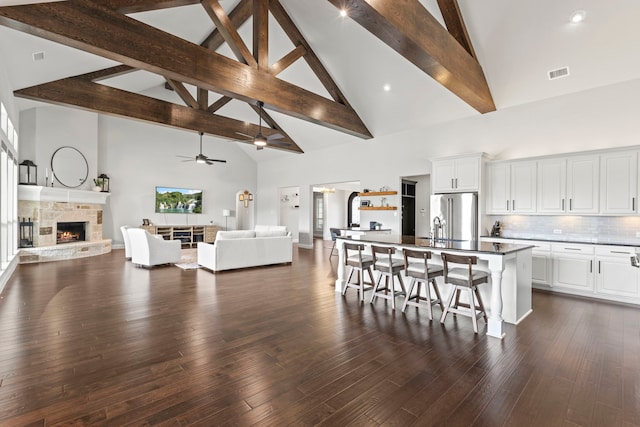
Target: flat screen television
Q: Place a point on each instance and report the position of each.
(178, 200)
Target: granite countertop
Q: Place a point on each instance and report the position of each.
(425, 242)
(579, 242)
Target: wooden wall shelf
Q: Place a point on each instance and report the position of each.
(378, 193)
(378, 208)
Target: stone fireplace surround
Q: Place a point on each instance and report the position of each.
(46, 206)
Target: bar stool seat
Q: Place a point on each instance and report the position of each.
(389, 268)
(358, 262)
(416, 266)
(464, 279)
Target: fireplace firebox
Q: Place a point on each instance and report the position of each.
(70, 232)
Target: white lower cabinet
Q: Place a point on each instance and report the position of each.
(615, 275)
(599, 271)
(573, 267)
(541, 264)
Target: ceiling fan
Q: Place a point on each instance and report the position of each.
(259, 140)
(201, 158)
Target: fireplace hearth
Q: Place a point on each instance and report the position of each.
(70, 232)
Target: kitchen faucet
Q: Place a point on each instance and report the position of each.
(437, 228)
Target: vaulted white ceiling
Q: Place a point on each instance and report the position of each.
(516, 42)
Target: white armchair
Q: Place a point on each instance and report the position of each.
(148, 251)
(127, 242)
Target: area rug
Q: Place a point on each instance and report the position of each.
(188, 259)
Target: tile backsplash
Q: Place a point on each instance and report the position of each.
(587, 229)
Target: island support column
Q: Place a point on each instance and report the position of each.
(340, 282)
(495, 321)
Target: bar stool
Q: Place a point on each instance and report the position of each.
(416, 266)
(464, 279)
(358, 262)
(388, 267)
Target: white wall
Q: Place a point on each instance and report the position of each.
(600, 118)
(289, 209)
(140, 156)
(45, 129)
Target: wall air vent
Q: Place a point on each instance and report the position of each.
(560, 72)
(38, 56)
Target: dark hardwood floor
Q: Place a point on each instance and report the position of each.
(98, 341)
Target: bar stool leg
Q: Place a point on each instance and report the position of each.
(435, 288)
(472, 307)
(344, 290)
(454, 291)
(408, 297)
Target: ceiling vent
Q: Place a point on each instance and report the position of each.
(560, 72)
(38, 56)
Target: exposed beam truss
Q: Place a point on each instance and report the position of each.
(175, 59)
(81, 92)
(413, 32)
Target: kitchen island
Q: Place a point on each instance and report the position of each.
(510, 267)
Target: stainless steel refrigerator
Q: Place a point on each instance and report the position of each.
(454, 216)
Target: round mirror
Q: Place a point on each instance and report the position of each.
(69, 167)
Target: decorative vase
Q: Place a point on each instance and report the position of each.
(97, 188)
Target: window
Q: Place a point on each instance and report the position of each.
(8, 189)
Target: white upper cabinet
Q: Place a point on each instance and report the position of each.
(583, 184)
(459, 174)
(499, 188)
(552, 186)
(523, 187)
(619, 182)
(511, 187)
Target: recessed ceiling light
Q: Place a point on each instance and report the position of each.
(386, 88)
(343, 12)
(38, 56)
(577, 16)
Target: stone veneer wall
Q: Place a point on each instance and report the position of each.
(45, 215)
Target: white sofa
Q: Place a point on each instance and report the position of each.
(127, 242)
(264, 245)
(148, 250)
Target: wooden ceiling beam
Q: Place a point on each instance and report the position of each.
(203, 99)
(183, 93)
(224, 100)
(229, 32)
(261, 33)
(238, 16)
(141, 46)
(108, 73)
(450, 11)
(287, 60)
(296, 37)
(80, 92)
(132, 6)
(415, 34)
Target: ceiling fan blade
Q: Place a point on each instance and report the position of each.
(209, 159)
(275, 136)
(244, 134)
(190, 160)
(186, 157)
